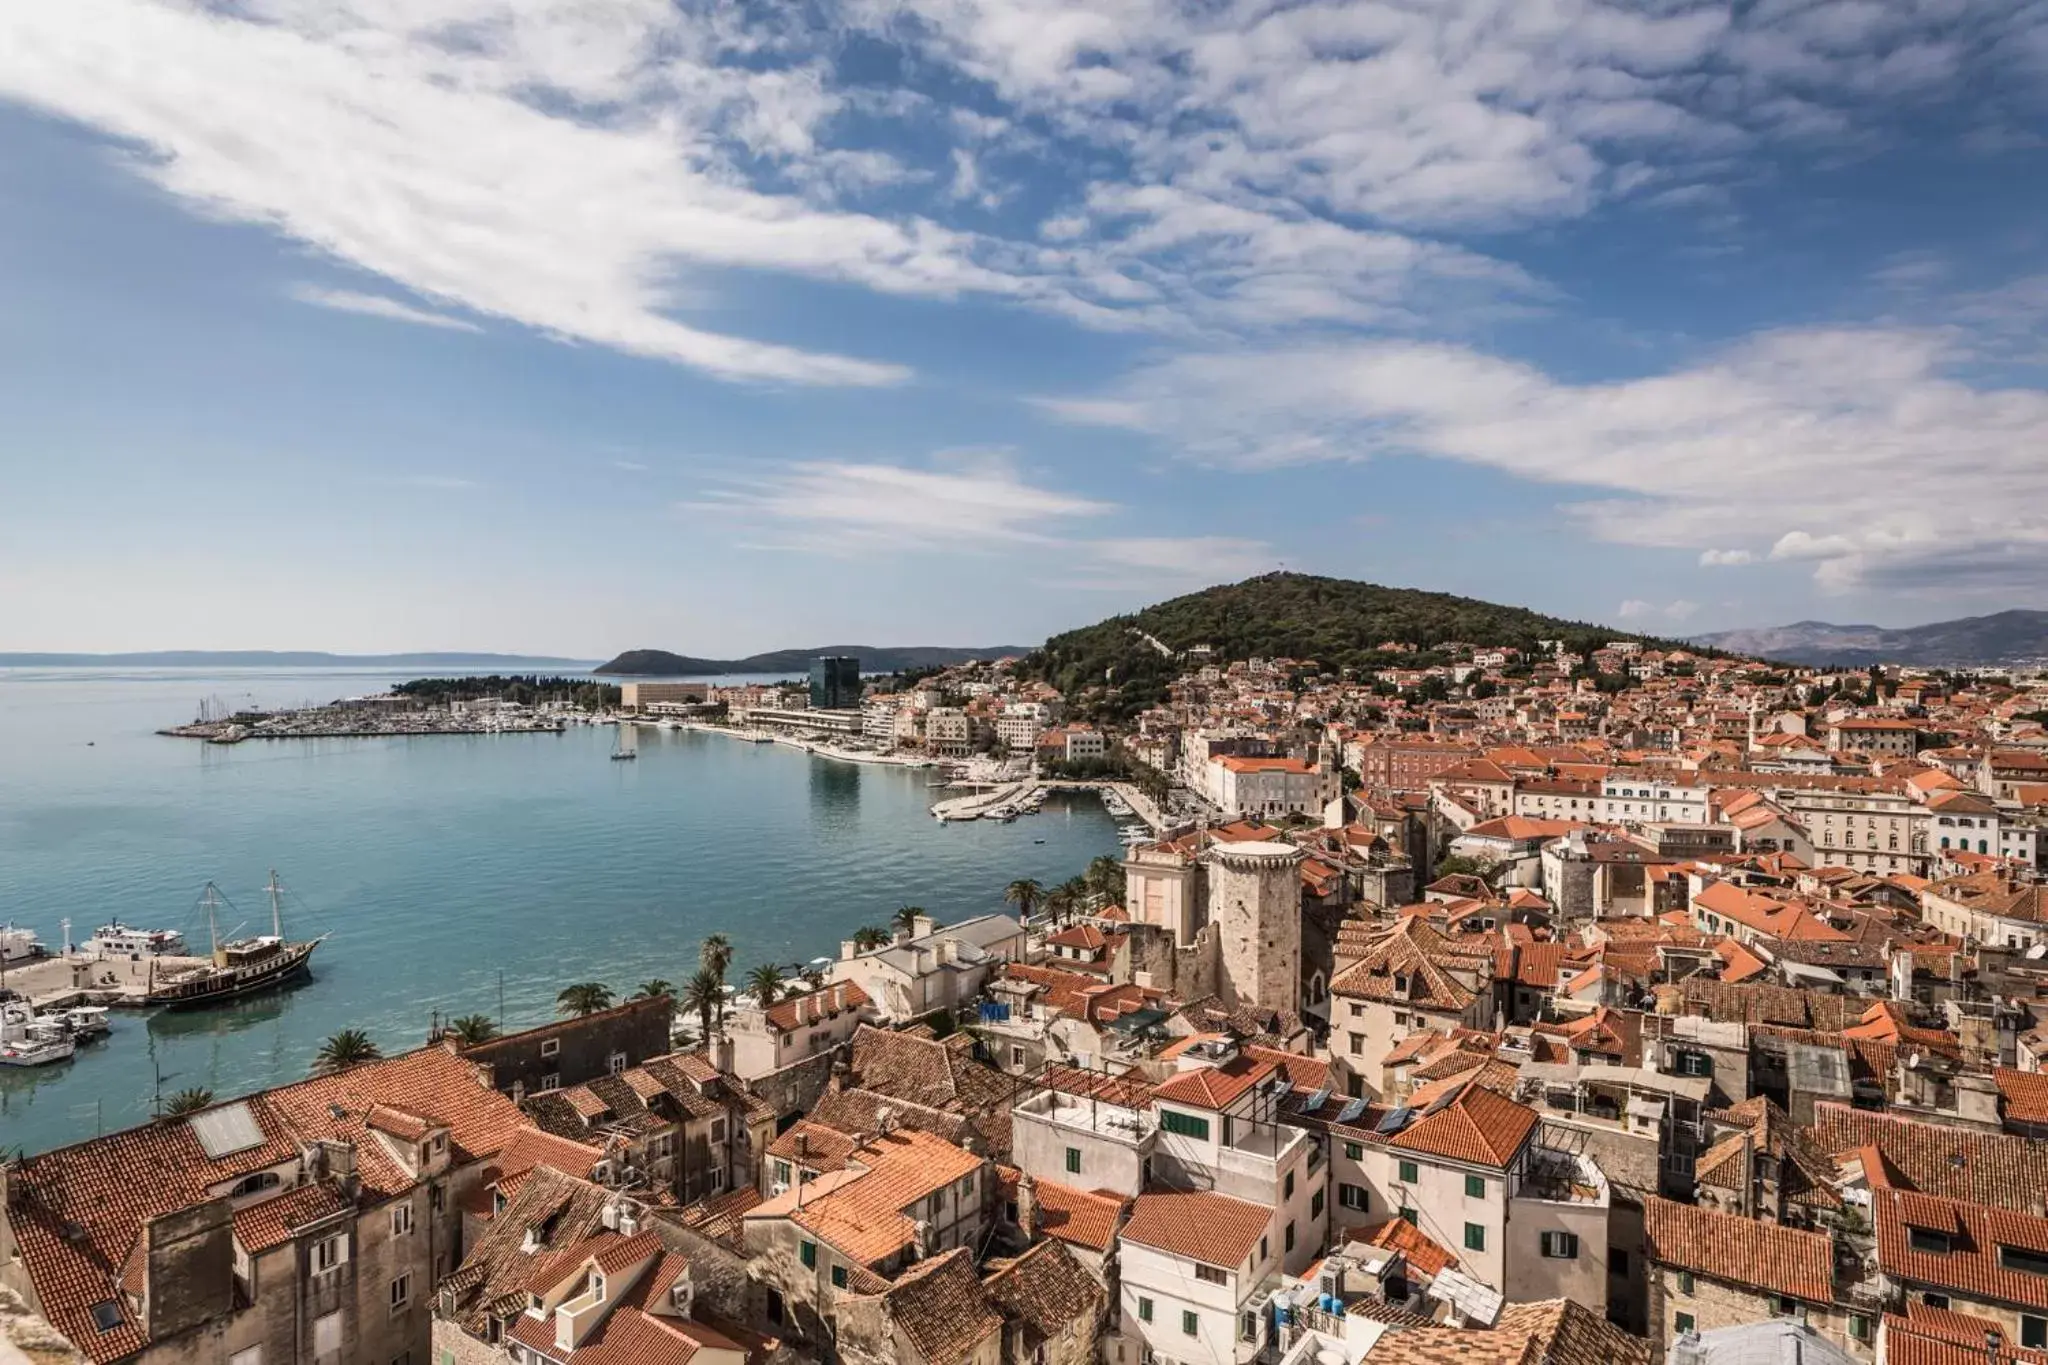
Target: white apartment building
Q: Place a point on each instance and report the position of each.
(1267, 788)
(949, 730)
(1652, 798)
(1021, 723)
(1197, 1270)
(927, 968)
(1871, 831)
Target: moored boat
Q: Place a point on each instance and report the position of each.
(239, 967)
(28, 1041)
(121, 940)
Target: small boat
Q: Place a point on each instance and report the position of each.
(83, 1022)
(622, 752)
(28, 1041)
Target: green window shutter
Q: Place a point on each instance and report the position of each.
(839, 1277)
(1355, 1151)
(1409, 1173)
(1684, 1323)
(1073, 1161)
(1144, 1310)
(1189, 1323)
(1475, 1187)
(1475, 1237)
(809, 1252)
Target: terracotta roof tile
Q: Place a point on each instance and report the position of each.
(1742, 1251)
(1211, 1228)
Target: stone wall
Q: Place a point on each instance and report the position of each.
(796, 1088)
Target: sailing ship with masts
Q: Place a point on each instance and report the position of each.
(239, 967)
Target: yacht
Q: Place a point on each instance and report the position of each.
(119, 940)
(28, 1041)
(82, 1023)
(20, 945)
(238, 967)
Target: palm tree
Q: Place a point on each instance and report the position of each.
(1025, 894)
(764, 983)
(716, 955)
(868, 936)
(1106, 877)
(648, 990)
(187, 1101)
(585, 997)
(814, 978)
(906, 917)
(704, 993)
(350, 1047)
(471, 1029)
(1076, 891)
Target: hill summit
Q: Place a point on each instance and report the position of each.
(1339, 623)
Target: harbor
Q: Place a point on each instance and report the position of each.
(469, 875)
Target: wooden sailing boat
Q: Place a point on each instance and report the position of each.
(239, 967)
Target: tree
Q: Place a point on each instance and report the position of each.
(704, 995)
(907, 916)
(715, 955)
(585, 997)
(1455, 864)
(648, 990)
(188, 1102)
(350, 1047)
(814, 978)
(471, 1029)
(869, 937)
(1025, 894)
(1105, 877)
(764, 983)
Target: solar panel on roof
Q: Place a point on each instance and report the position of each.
(1315, 1101)
(1352, 1109)
(229, 1129)
(1396, 1121)
(1441, 1100)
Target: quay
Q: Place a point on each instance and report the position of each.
(63, 980)
(329, 722)
(977, 804)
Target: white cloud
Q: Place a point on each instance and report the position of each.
(1681, 610)
(1217, 557)
(1723, 559)
(980, 502)
(1926, 480)
(1633, 609)
(629, 466)
(377, 306)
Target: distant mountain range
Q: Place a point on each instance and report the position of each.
(659, 663)
(276, 658)
(2007, 637)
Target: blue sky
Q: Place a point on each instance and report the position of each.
(577, 325)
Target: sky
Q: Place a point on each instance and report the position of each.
(571, 326)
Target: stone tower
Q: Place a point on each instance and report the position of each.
(1255, 903)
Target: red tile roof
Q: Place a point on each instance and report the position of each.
(1763, 1257)
(1211, 1228)
(1974, 1263)
(1478, 1127)
(1214, 1087)
(1083, 1217)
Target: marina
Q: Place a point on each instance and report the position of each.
(472, 874)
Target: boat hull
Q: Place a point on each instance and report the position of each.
(290, 964)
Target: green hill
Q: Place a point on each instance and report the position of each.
(1113, 670)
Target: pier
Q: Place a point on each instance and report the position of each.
(63, 980)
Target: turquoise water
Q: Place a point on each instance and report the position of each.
(441, 865)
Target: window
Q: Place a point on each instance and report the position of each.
(1475, 1187)
(551, 1047)
(1786, 1308)
(1248, 1326)
(839, 1277)
(1354, 1197)
(1209, 1274)
(1186, 1125)
(1475, 1237)
(2019, 1258)
(329, 1253)
(1354, 1151)
(401, 1292)
(2033, 1331)
(1264, 1251)
(1357, 1042)
(782, 1173)
(1287, 1187)
(1935, 1300)
(807, 1252)
(1408, 1216)
(616, 1063)
(401, 1220)
(1560, 1246)
(1287, 1241)
(1016, 1055)
(1695, 1064)
(1683, 1322)
(1315, 1204)
(718, 1130)
(551, 1081)
(327, 1334)
(1190, 1324)
(1859, 1327)
(1073, 1161)
(1928, 1240)
(1685, 1282)
(1144, 1309)
(1409, 1173)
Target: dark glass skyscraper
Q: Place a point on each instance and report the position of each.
(835, 683)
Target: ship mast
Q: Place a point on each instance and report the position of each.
(276, 912)
(210, 898)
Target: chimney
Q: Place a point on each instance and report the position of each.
(1027, 1206)
(846, 949)
(839, 996)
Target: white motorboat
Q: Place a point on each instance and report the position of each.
(28, 1041)
(82, 1023)
(20, 945)
(120, 940)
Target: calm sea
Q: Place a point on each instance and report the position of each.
(442, 866)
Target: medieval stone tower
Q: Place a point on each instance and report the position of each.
(1255, 903)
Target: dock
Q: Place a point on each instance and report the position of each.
(61, 981)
